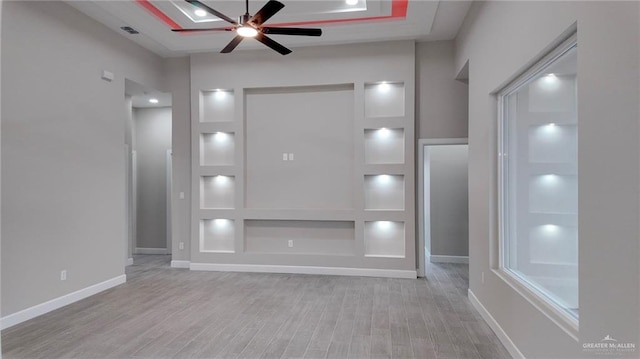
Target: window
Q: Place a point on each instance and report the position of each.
(539, 180)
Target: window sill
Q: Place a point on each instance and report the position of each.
(557, 315)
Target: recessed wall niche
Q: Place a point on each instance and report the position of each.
(384, 192)
(217, 149)
(384, 239)
(384, 146)
(217, 235)
(217, 106)
(384, 99)
(300, 237)
(217, 192)
(300, 147)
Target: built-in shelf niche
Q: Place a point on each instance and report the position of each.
(384, 239)
(384, 192)
(553, 143)
(217, 106)
(384, 99)
(217, 149)
(300, 237)
(553, 193)
(217, 235)
(217, 192)
(553, 244)
(384, 146)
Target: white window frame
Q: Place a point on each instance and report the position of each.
(533, 295)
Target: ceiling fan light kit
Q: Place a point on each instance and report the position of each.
(251, 26)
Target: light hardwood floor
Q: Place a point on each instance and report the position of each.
(176, 313)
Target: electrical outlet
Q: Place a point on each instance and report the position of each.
(482, 277)
(181, 245)
(63, 274)
(290, 243)
(181, 195)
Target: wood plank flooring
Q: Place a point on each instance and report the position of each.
(163, 312)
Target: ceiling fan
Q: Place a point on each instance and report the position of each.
(251, 26)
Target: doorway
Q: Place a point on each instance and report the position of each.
(149, 170)
(443, 202)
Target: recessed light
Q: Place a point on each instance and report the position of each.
(153, 100)
(200, 13)
(384, 132)
(384, 86)
(384, 224)
(351, 2)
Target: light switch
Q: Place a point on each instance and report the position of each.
(291, 157)
(285, 157)
(181, 195)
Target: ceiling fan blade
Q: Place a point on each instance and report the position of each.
(204, 30)
(268, 10)
(232, 45)
(292, 31)
(211, 11)
(272, 44)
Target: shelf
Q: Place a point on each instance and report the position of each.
(300, 237)
(217, 106)
(553, 193)
(384, 99)
(296, 214)
(554, 244)
(553, 143)
(384, 146)
(213, 127)
(217, 149)
(217, 192)
(384, 192)
(227, 170)
(384, 239)
(559, 169)
(217, 235)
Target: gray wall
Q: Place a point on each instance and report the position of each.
(449, 210)
(63, 172)
(177, 81)
(152, 132)
(441, 100)
(499, 39)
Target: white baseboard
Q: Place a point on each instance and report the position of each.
(180, 264)
(500, 333)
(360, 272)
(448, 259)
(46, 307)
(151, 251)
(129, 261)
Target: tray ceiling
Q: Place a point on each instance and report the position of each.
(341, 22)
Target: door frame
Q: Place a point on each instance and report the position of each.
(422, 143)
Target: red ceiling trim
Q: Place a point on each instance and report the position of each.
(158, 14)
(398, 11)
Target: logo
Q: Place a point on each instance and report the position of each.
(608, 346)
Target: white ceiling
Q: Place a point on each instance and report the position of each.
(367, 21)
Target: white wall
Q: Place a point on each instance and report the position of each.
(152, 132)
(63, 168)
(499, 39)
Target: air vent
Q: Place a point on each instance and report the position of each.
(130, 30)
